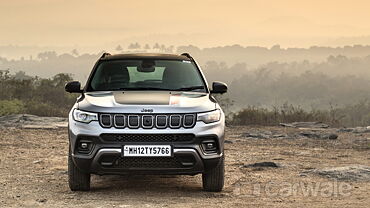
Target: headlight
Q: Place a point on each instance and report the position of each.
(210, 117)
(85, 117)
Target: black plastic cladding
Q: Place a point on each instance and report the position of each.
(147, 121)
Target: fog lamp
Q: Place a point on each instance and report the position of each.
(209, 146)
(84, 145)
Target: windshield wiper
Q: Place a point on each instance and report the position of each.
(165, 89)
(189, 88)
(145, 88)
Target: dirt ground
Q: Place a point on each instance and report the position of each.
(33, 173)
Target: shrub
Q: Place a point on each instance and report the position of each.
(8, 107)
(45, 109)
(350, 115)
(35, 95)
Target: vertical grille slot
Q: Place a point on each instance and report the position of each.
(189, 120)
(161, 121)
(133, 121)
(106, 120)
(119, 121)
(147, 121)
(175, 121)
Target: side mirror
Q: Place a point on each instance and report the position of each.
(73, 87)
(219, 87)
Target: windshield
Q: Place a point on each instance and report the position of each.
(175, 75)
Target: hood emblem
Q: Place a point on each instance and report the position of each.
(147, 110)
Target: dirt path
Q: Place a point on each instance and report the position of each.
(33, 173)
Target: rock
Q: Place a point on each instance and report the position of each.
(279, 135)
(37, 161)
(347, 173)
(41, 200)
(32, 122)
(257, 135)
(262, 165)
(38, 127)
(63, 172)
(318, 135)
(62, 124)
(305, 125)
(345, 130)
(228, 142)
(264, 135)
(310, 134)
(356, 130)
(360, 130)
(332, 136)
(303, 175)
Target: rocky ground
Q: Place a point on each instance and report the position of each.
(265, 166)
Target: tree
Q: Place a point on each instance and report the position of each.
(21, 75)
(75, 52)
(134, 46)
(47, 55)
(61, 79)
(275, 48)
(146, 47)
(170, 49)
(119, 48)
(163, 47)
(156, 46)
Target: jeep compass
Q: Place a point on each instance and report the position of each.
(146, 114)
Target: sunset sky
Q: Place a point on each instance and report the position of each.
(93, 23)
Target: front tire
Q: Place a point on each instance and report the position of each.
(213, 179)
(78, 181)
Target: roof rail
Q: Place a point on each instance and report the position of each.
(104, 55)
(187, 55)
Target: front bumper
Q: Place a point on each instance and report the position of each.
(105, 157)
(96, 166)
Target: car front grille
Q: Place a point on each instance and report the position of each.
(168, 138)
(147, 121)
(154, 162)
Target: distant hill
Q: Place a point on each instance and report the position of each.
(48, 63)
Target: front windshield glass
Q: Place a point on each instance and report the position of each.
(176, 75)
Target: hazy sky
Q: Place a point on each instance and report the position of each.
(201, 22)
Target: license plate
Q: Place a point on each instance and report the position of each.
(147, 151)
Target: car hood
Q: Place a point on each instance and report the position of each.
(146, 102)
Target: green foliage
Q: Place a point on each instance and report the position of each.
(45, 109)
(349, 116)
(286, 113)
(34, 95)
(355, 115)
(299, 83)
(21, 93)
(8, 107)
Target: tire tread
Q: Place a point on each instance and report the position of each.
(213, 180)
(78, 181)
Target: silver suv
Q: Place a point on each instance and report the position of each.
(146, 114)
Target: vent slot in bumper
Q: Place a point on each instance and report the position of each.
(155, 162)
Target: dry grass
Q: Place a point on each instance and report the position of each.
(349, 116)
